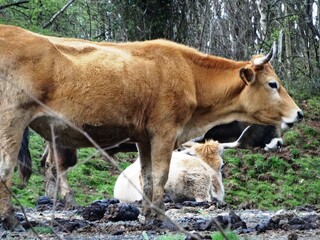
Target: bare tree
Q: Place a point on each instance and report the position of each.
(58, 13)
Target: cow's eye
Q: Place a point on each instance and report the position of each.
(273, 85)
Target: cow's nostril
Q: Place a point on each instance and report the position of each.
(300, 115)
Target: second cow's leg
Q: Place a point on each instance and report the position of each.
(50, 171)
(57, 162)
(66, 158)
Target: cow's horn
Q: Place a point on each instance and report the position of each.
(263, 60)
(237, 142)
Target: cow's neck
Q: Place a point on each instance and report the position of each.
(217, 80)
(218, 88)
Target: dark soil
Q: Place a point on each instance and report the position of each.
(109, 219)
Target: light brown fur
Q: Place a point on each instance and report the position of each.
(157, 93)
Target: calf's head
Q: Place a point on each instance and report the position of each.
(210, 152)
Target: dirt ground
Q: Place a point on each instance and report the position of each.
(108, 219)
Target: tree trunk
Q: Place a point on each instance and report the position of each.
(263, 10)
(288, 47)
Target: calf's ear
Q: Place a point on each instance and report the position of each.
(247, 75)
(188, 144)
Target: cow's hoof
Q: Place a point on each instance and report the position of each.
(11, 222)
(69, 201)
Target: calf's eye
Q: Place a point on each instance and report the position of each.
(273, 85)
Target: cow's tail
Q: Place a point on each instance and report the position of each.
(237, 142)
(24, 159)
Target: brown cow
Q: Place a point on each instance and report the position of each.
(157, 93)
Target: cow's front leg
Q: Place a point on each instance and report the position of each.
(144, 150)
(10, 140)
(161, 152)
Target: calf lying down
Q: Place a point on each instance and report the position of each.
(195, 175)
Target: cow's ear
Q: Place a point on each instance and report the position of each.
(247, 75)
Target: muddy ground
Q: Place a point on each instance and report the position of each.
(107, 219)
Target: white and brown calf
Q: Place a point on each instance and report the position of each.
(195, 175)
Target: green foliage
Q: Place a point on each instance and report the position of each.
(230, 235)
(276, 180)
(313, 105)
(28, 196)
(91, 180)
(291, 136)
(271, 183)
(43, 230)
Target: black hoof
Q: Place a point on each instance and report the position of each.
(10, 222)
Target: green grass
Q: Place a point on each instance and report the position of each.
(230, 235)
(277, 180)
(269, 181)
(43, 230)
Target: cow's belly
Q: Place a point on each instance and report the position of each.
(69, 137)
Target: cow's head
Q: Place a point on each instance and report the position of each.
(264, 98)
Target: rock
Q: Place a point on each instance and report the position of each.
(44, 200)
(121, 212)
(69, 226)
(204, 204)
(93, 212)
(293, 236)
(45, 203)
(96, 210)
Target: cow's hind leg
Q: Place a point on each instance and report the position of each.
(11, 131)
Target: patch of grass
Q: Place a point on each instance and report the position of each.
(295, 152)
(269, 181)
(43, 230)
(313, 105)
(95, 179)
(230, 235)
(290, 136)
(28, 196)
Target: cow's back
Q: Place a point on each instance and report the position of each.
(110, 91)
